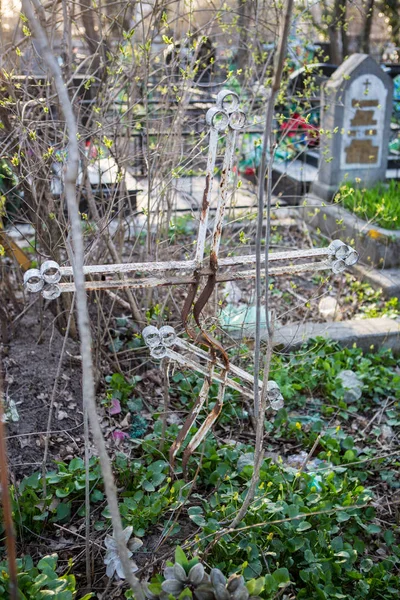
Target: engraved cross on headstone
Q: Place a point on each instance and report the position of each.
(366, 84)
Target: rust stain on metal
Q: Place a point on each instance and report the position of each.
(205, 427)
(223, 178)
(187, 305)
(183, 432)
(205, 204)
(203, 299)
(213, 261)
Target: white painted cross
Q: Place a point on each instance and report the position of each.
(214, 364)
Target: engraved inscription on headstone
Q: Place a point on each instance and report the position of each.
(364, 115)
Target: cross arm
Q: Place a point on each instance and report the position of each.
(337, 256)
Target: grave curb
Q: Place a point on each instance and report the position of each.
(386, 279)
(377, 246)
(367, 334)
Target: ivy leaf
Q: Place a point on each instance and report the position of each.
(180, 557)
(63, 512)
(255, 586)
(366, 565)
(389, 537)
(270, 584)
(304, 526)
(374, 528)
(48, 562)
(281, 576)
(342, 516)
(96, 496)
(196, 515)
(75, 465)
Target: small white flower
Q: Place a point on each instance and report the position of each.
(112, 559)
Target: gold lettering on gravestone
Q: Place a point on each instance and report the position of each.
(363, 118)
(364, 103)
(361, 152)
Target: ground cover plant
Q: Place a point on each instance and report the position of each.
(314, 525)
(41, 581)
(323, 520)
(318, 526)
(369, 302)
(378, 204)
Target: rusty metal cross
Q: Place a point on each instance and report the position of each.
(227, 119)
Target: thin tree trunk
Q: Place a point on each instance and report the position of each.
(242, 53)
(369, 13)
(337, 33)
(343, 31)
(95, 45)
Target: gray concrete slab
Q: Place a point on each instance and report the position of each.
(368, 334)
(186, 195)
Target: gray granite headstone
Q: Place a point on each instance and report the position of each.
(355, 119)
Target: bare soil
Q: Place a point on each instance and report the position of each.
(30, 369)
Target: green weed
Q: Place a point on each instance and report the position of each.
(379, 204)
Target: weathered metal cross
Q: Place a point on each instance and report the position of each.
(214, 364)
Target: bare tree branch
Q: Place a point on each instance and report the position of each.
(70, 177)
(260, 403)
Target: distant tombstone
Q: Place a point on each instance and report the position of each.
(355, 122)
